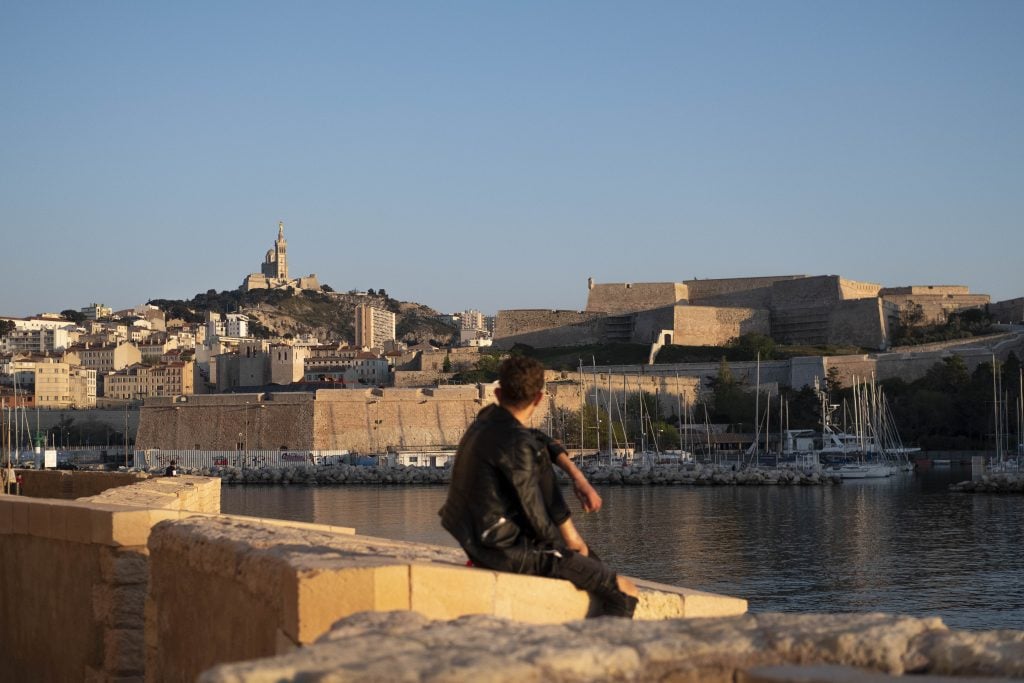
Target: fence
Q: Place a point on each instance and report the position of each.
(193, 460)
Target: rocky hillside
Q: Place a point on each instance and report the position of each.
(328, 315)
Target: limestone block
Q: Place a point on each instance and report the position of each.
(6, 516)
(59, 514)
(125, 526)
(39, 519)
(120, 606)
(825, 673)
(79, 524)
(124, 566)
(660, 601)
(445, 592)
(537, 600)
(314, 598)
(123, 651)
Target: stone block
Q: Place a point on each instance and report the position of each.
(59, 514)
(661, 601)
(446, 591)
(537, 600)
(39, 519)
(122, 566)
(317, 597)
(6, 516)
(119, 525)
(123, 651)
(79, 524)
(120, 606)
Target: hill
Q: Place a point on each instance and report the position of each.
(325, 314)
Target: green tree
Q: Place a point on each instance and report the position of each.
(446, 366)
(70, 314)
(6, 327)
(752, 345)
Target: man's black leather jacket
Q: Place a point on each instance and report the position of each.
(495, 492)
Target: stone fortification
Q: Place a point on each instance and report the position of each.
(1009, 311)
(935, 307)
(930, 290)
(714, 326)
(745, 292)
(744, 649)
(66, 485)
(544, 328)
(629, 297)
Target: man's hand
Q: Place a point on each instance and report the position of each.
(572, 538)
(587, 495)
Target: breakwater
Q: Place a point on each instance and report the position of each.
(650, 475)
(1005, 482)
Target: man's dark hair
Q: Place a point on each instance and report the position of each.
(521, 379)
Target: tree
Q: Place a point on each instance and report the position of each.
(6, 327)
(752, 346)
(446, 366)
(70, 314)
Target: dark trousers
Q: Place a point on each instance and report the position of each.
(528, 556)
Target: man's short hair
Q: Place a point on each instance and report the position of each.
(521, 379)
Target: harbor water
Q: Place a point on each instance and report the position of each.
(901, 545)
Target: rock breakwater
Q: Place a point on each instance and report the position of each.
(651, 475)
(992, 483)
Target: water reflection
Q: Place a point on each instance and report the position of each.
(898, 545)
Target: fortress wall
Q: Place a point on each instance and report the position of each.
(852, 289)
(937, 307)
(919, 290)
(590, 330)
(861, 322)
(1009, 311)
(730, 291)
(510, 323)
(713, 326)
(670, 390)
(629, 297)
(808, 292)
(809, 325)
(371, 423)
(647, 325)
(281, 420)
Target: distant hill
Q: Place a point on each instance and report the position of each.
(326, 314)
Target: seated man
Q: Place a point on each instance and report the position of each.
(504, 506)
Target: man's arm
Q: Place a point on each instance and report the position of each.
(585, 492)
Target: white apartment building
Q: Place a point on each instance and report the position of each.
(374, 327)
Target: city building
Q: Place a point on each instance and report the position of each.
(374, 327)
(142, 381)
(103, 358)
(38, 335)
(96, 311)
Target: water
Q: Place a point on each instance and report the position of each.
(903, 545)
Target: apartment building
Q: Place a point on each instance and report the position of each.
(142, 381)
(374, 327)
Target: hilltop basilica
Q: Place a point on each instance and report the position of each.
(274, 270)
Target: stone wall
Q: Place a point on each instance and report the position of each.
(745, 292)
(629, 297)
(860, 322)
(852, 289)
(714, 326)
(1009, 311)
(220, 422)
(68, 485)
(260, 592)
(547, 328)
(936, 307)
(75, 577)
(931, 290)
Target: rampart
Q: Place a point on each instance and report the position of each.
(1009, 311)
(714, 326)
(628, 297)
(745, 292)
(547, 328)
(935, 308)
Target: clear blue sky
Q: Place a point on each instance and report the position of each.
(495, 155)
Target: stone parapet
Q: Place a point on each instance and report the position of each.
(410, 647)
(288, 586)
(68, 485)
